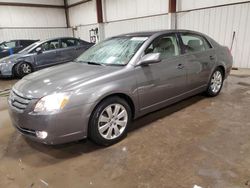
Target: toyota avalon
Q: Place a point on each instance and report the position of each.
(120, 79)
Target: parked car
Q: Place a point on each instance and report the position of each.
(115, 81)
(13, 46)
(42, 54)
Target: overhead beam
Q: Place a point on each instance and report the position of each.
(30, 5)
(99, 11)
(78, 3)
(66, 13)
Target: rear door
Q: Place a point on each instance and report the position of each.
(71, 49)
(200, 58)
(49, 55)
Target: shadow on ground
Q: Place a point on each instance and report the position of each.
(74, 149)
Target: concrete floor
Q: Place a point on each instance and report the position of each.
(200, 141)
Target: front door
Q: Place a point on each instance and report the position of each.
(50, 54)
(163, 82)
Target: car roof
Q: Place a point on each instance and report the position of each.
(21, 40)
(59, 38)
(151, 33)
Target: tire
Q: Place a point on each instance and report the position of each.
(215, 83)
(15, 71)
(104, 128)
(22, 69)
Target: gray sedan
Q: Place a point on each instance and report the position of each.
(42, 54)
(114, 82)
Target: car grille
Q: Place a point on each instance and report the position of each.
(18, 102)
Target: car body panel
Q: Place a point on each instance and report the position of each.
(42, 60)
(19, 45)
(147, 87)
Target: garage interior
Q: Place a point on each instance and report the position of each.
(199, 142)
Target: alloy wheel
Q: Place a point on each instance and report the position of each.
(216, 82)
(26, 68)
(112, 121)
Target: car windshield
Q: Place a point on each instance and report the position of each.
(114, 51)
(29, 48)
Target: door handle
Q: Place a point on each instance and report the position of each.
(180, 66)
(212, 57)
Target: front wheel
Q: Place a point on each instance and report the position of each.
(215, 83)
(23, 69)
(109, 121)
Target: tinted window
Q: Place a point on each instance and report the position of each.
(50, 45)
(194, 43)
(26, 43)
(167, 46)
(69, 43)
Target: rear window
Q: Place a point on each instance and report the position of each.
(194, 43)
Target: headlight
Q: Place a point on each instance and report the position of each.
(52, 103)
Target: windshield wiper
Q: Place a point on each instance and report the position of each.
(94, 63)
(89, 62)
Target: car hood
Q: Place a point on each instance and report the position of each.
(14, 58)
(60, 78)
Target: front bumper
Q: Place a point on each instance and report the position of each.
(6, 69)
(66, 126)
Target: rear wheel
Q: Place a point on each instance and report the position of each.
(23, 69)
(215, 83)
(109, 121)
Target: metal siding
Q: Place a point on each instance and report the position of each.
(15, 16)
(125, 9)
(83, 14)
(220, 23)
(9, 34)
(183, 5)
(46, 2)
(139, 24)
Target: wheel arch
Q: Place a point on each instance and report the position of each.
(223, 70)
(18, 63)
(124, 96)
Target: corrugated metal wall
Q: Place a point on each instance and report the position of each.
(47, 2)
(39, 33)
(220, 23)
(83, 14)
(125, 9)
(120, 16)
(183, 5)
(137, 24)
(14, 16)
(124, 16)
(21, 22)
(83, 18)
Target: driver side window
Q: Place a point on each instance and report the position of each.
(166, 45)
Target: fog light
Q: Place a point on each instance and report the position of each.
(41, 134)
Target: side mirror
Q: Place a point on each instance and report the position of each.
(150, 59)
(39, 50)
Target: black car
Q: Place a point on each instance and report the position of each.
(13, 46)
(42, 54)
